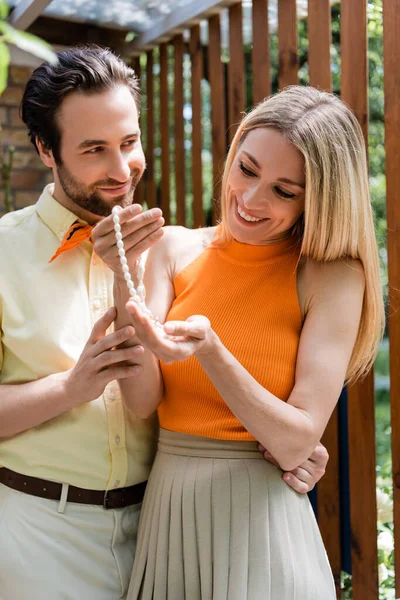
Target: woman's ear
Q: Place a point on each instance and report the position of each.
(45, 154)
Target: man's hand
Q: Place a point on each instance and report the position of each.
(139, 231)
(305, 476)
(102, 360)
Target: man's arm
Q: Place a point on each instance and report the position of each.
(27, 405)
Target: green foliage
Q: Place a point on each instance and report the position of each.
(25, 41)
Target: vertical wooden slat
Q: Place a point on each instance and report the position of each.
(328, 499)
(287, 43)
(236, 77)
(139, 192)
(391, 55)
(196, 56)
(218, 117)
(361, 404)
(149, 150)
(179, 131)
(319, 41)
(319, 44)
(260, 51)
(164, 130)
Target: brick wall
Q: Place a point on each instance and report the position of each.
(29, 175)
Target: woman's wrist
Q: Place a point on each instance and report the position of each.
(210, 347)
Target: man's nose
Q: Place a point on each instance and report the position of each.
(119, 169)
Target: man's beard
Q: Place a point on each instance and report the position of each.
(86, 196)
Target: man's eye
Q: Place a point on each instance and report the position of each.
(282, 193)
(245, 170)
(93, 151)
(129, 143)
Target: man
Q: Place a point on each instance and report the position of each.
(74, 459)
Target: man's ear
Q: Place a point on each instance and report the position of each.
(45, 154)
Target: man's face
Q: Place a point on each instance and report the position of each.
(101, 153)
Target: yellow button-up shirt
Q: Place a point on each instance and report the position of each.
(47, 311)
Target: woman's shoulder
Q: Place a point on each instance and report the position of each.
(179, 246)
(326, 281)
(176, 235)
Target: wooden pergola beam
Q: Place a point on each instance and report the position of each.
(69, 33)
(27, 11)
(175, 23)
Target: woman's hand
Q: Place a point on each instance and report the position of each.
(183, 339)
(139, 230)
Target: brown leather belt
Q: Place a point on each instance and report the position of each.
(34, 486)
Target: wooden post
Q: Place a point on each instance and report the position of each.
(287, 43)
(218, 116)
(319, 42)
(179, 132)
(150, 178)
(361, 400)
(164, 129)
(236, 79)
(391, 55)
(196, 55)
(260, 51)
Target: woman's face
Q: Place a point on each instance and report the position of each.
(265, 188)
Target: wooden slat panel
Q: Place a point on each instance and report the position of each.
(140, 188)
(236, 77)
(260, 51)
(391, 54)
(319, 44)
(287, 43)
(361, 401)
(179, 131)
(319, 38)
(196, 56)
(328, 498)
(363, 517)
(218, 116)
(164, 130)
(149, 150)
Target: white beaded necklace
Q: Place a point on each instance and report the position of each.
(138, 294)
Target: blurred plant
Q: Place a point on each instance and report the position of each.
(33, 45)
(25, 41)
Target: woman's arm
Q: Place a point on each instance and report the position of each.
(290, 430)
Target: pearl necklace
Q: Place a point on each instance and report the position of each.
(138, 294)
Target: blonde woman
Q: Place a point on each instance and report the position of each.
(267, 315)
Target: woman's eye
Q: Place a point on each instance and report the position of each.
(282, 193)
(245, 170)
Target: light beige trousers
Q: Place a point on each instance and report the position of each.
(83, 553)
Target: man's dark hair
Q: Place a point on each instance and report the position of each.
(90, 69)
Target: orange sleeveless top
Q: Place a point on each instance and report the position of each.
(249, 294)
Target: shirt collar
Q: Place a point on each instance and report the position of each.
(57, 218)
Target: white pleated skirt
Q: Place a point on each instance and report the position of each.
(219, 523)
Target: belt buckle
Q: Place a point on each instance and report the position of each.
(105, 500)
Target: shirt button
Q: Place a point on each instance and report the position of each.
(61, 234)
(96, 303)
(94, 261)
(111, 395)
(117, 439)
(116, 483)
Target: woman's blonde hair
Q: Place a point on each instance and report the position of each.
(337, 222)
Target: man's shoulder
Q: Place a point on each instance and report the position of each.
(12, 220)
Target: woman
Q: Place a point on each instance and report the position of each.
(267, 315)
